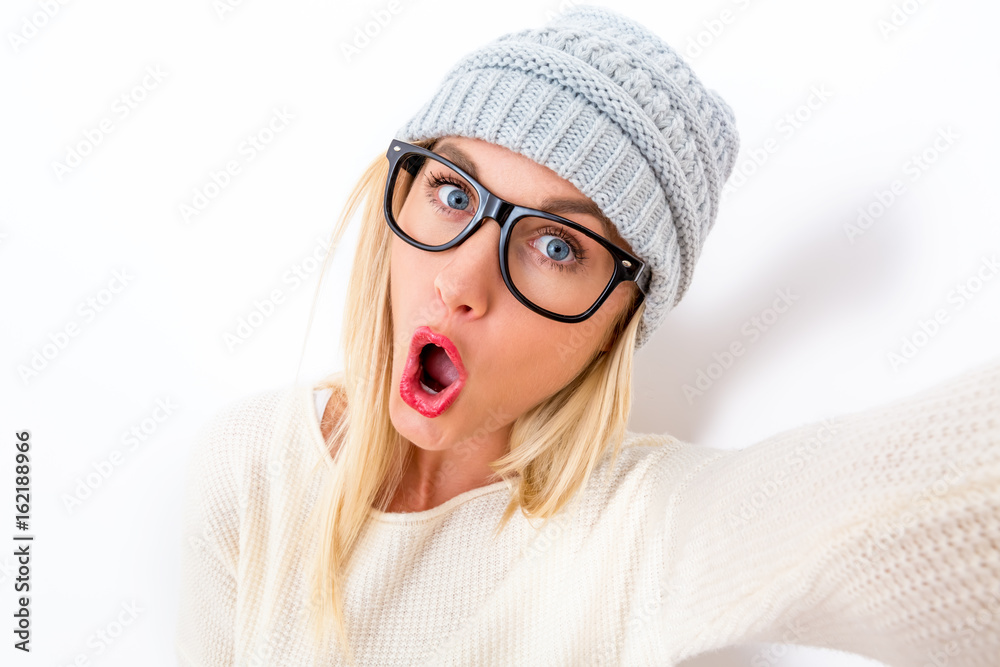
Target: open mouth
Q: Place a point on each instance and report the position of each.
(434, 374)
(437, 371)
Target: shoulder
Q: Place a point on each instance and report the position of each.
(241, 452)
(644, 465)
(245, 424)
(661, 454)
(235, 441)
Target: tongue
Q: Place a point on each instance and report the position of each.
(438, 365)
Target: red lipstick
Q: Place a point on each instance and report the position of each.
(412, 388)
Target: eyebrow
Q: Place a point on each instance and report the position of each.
(550, 204)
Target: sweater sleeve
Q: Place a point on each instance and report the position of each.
(875, 533)
(209, 548)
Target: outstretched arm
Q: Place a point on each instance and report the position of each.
(876, 533)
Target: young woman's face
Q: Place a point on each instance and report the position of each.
(513, 358)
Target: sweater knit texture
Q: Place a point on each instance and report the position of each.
(611, 107)
(875, 532)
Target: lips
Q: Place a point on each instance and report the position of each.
(427, 371)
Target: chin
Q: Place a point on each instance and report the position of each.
(414, 427)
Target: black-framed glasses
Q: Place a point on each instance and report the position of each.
(554, 266)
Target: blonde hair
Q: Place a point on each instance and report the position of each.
(553, 447)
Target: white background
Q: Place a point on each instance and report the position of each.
(162, 336)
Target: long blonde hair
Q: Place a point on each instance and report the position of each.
(553, 447)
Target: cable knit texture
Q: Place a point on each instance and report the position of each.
(875, 532)
(610, 107)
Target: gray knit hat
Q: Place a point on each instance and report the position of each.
(613, 109)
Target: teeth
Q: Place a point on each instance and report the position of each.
(427, 389)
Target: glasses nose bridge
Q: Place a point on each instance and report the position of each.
(497, 209)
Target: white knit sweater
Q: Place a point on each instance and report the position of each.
(876, 532)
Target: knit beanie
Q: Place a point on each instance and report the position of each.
(610, 107)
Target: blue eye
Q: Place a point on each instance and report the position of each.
(557, 249)
(453, 197)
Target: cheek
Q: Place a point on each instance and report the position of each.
(401, 272)
(400, 296)
(412, 298)
(543, 361)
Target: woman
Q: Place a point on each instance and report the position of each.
(466, 492)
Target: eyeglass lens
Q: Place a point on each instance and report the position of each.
(553, 265)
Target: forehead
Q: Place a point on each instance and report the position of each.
(572, 205)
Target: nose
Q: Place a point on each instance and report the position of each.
(469, 280)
